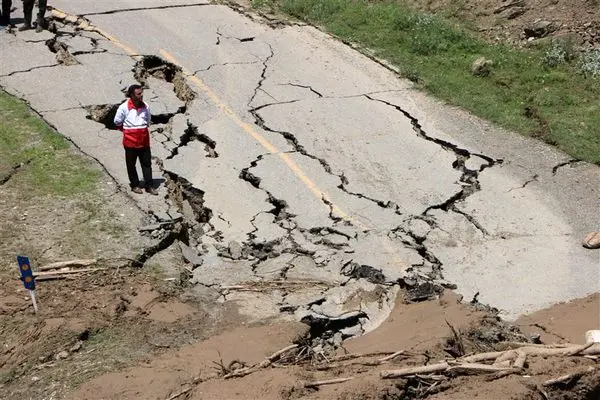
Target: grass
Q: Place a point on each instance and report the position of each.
(540, 91)
(42, 159)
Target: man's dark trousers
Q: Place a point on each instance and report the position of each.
(28, 10)
(145, 156)
(6, 6)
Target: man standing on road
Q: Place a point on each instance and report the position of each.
(28, 13)
(133, 119)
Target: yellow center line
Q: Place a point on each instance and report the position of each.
(271, 148)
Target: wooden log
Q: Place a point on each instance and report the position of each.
(278, 353)
(327, 382)
(520, 360)
(70, 263)
(569, 377)
(426, 369)
(516, 345)
(69, 272)
(594, 349)
(476, 367)
(509, 355)
(580, 349)
(482, 356)
(391, 356)
(180, 393)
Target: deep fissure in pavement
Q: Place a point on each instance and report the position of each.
(190, 134)
(468, 176)
(61, 49)
(161, 69)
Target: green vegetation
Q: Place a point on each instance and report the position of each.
(546, 91)
(40, 157)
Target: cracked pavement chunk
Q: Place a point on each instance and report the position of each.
(380, 157)
(63, 56)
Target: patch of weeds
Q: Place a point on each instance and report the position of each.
(559, 52)
(412, 75)
(49, 165)
(589, 64)
(269, 5)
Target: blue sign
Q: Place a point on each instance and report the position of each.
(26, 274)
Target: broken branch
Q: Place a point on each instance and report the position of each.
(71, 263)
(327, 382)
(568, 378)
(74, 271)
(176, 395)
(398, 373)
(391, 356)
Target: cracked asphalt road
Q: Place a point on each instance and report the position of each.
(294, 164)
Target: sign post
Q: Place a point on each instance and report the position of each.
(27, 278)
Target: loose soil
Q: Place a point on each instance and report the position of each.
(505, 20)
(130, 333)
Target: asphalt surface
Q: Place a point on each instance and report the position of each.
(310, 170)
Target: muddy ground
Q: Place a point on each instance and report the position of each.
(126, 332)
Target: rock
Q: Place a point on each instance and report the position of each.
(162, 216)
(149, 228)
(62, 355)
(235, 250)
(76, 347)
(338, 339)
(516, 12)
(352, 331)
(539, 29)
(512, 4)
(419, 228)
(190, 255)
(482, 67)
(592, 240)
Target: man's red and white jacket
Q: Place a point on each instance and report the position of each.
(133, 122)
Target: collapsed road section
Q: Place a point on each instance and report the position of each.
(282, 268)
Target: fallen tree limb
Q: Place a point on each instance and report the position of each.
(180, 393)
(520, 355)
(69, 272)
(516, 345)
(509, 355)
(483, 356)
(345, 357)
(390, 357)
(70, 263)
(520, 360)
(238, 373)
(475, 367)
(426, 369)
(580, 349)
(565, 379)
(327, 382)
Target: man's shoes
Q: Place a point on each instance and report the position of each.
(24, 27)
(41, 24)
(137, 190)
(152, 191)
